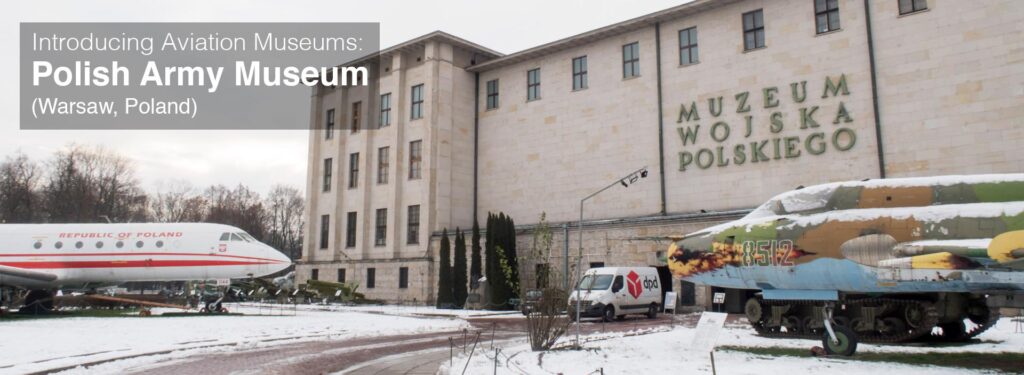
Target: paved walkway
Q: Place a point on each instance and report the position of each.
(401, 354)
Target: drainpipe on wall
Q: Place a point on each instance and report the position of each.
(661, 120)
(476, 135)
(874, 90)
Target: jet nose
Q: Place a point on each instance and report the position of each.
(281, 261)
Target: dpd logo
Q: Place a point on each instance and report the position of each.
(634, 285)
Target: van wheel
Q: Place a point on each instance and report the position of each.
(609, 313)
(652, 312)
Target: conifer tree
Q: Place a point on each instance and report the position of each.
(459, 280)
(445, 298)
(475, 270)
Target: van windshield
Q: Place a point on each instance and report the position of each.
(595, 282)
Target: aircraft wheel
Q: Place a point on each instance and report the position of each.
(753, 310)
(652, 311)
(609, 313)
(793, 324)
(847, 341)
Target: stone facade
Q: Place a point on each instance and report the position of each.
(725, 133)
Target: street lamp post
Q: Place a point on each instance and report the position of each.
(625, 182)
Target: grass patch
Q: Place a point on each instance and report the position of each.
(77, 313)
(1004, 361)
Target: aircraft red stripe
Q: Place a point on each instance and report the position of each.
(132, 254)
(128, 264)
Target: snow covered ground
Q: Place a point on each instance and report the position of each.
(416, 311)
(666, 353)
(41, 344)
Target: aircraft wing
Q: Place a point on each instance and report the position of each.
(26, 273)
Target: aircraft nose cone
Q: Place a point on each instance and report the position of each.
(282, 260)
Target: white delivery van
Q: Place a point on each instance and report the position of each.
(613, 292)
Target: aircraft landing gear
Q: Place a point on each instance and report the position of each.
(839, 339)
(37, 302)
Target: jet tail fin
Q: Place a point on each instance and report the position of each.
(25, 273)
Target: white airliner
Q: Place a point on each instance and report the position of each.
(49, 256)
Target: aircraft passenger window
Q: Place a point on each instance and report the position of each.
(79, 244)
(38, 245)
(58, 244)
(119, 244)
(99, 245)
(159, 244)
(139, 244)
(225, 237)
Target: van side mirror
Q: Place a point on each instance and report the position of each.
(617, 284)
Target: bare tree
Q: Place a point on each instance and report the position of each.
(92, 184)
(285, 220)
(545, 321)
(20, 201)
(241, 207)
(177, 201)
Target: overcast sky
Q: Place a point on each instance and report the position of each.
(261, 159)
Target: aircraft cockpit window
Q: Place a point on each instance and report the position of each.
(247, 237)
(38, 245)
(235, 237)
(225, 237)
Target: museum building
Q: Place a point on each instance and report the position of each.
(726, 103)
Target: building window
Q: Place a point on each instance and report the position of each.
(328, 173)
(826, 15)
(688, 52)
(356, 118)
(341, 275)
(596, 264)
(315, 274)
(329, 129)
(380, 234)
(492, 94)
(403, 277)
(371, 278)
(383, 163)
(912, 6)
(415, 159)
(631, 60)
(417, 102)
(325, 230)
(533, 84)
(385, 110)
(579, 73)
(350, 230)
(753, 30)
(353, 170)
(412, 233)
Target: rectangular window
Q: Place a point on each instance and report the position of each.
(315, 274)
(341, 275)
(403, 277)
(688, 52)
(350, 230)
(579, 73)
(371, 278)
(417, 102)
(381, 232)
(826, 15)
(492, 94)
(329, 129)
(412, 233)
(383, 163)
(328, 172)
(385, 110)
(631, 60)
(911, 6)
(353, 170)
(596, 264)
(325, 230)
(533, 84)
(356, 118)
(753, 30)
(415, 159)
